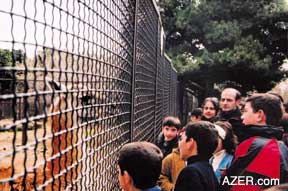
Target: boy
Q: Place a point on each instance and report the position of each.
(167, 139)
(260, 157)
(196, 114)
(139, 166)
(197, 143)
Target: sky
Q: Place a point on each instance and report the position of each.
(30, 32)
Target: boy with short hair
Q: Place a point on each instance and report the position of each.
(139, 166)
(261, 156)
(167, 139)
(196, 114)
(197, 143)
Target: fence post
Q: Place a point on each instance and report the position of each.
(133, 69)
(156, 76)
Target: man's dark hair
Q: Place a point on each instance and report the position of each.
(269, 104)
(205, 135)
(171, 121)
(142, 161)
(197, 112)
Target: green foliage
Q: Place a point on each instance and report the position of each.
(241, 41)
(5, 57)
(220, 34)
(184, 62)
(8, 59)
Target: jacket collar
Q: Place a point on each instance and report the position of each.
(213, 119)
(161, 139)
(235, 114)
(196, 158)
(263, 131)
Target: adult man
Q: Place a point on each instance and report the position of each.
(260, 158)
(197, 143)
(229, 102)
(139, 166)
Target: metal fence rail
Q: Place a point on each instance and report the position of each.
(78, 80)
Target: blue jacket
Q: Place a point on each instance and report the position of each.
(223, 165)
(156, 188)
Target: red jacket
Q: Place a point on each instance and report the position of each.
(257, 159)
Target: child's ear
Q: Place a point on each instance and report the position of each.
(261, 117)
(127, 178)
(192, 144)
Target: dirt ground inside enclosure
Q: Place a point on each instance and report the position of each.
(24, 158)
(6, 149)
(37, 154)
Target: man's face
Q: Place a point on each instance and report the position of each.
(184, 147)
(170, 132)
(249, 117)
(228, 100)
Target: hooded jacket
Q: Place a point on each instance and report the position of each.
(261, 156)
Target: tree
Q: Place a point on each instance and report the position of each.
(7, 76)
(216, 41)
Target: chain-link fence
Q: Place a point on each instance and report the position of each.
(78, 80)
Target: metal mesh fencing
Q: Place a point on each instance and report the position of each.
(78, 80)
(145, 72)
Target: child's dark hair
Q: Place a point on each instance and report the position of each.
(171, 121)
(230, 142)
(205, 135)
(197, 112)
(142, 161)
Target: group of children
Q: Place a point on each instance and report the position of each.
(205, 155)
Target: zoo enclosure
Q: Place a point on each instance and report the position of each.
(78, 80)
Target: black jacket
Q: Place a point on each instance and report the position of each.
(166, 146)
(212, 120)
(198, 175)
(234, 118)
